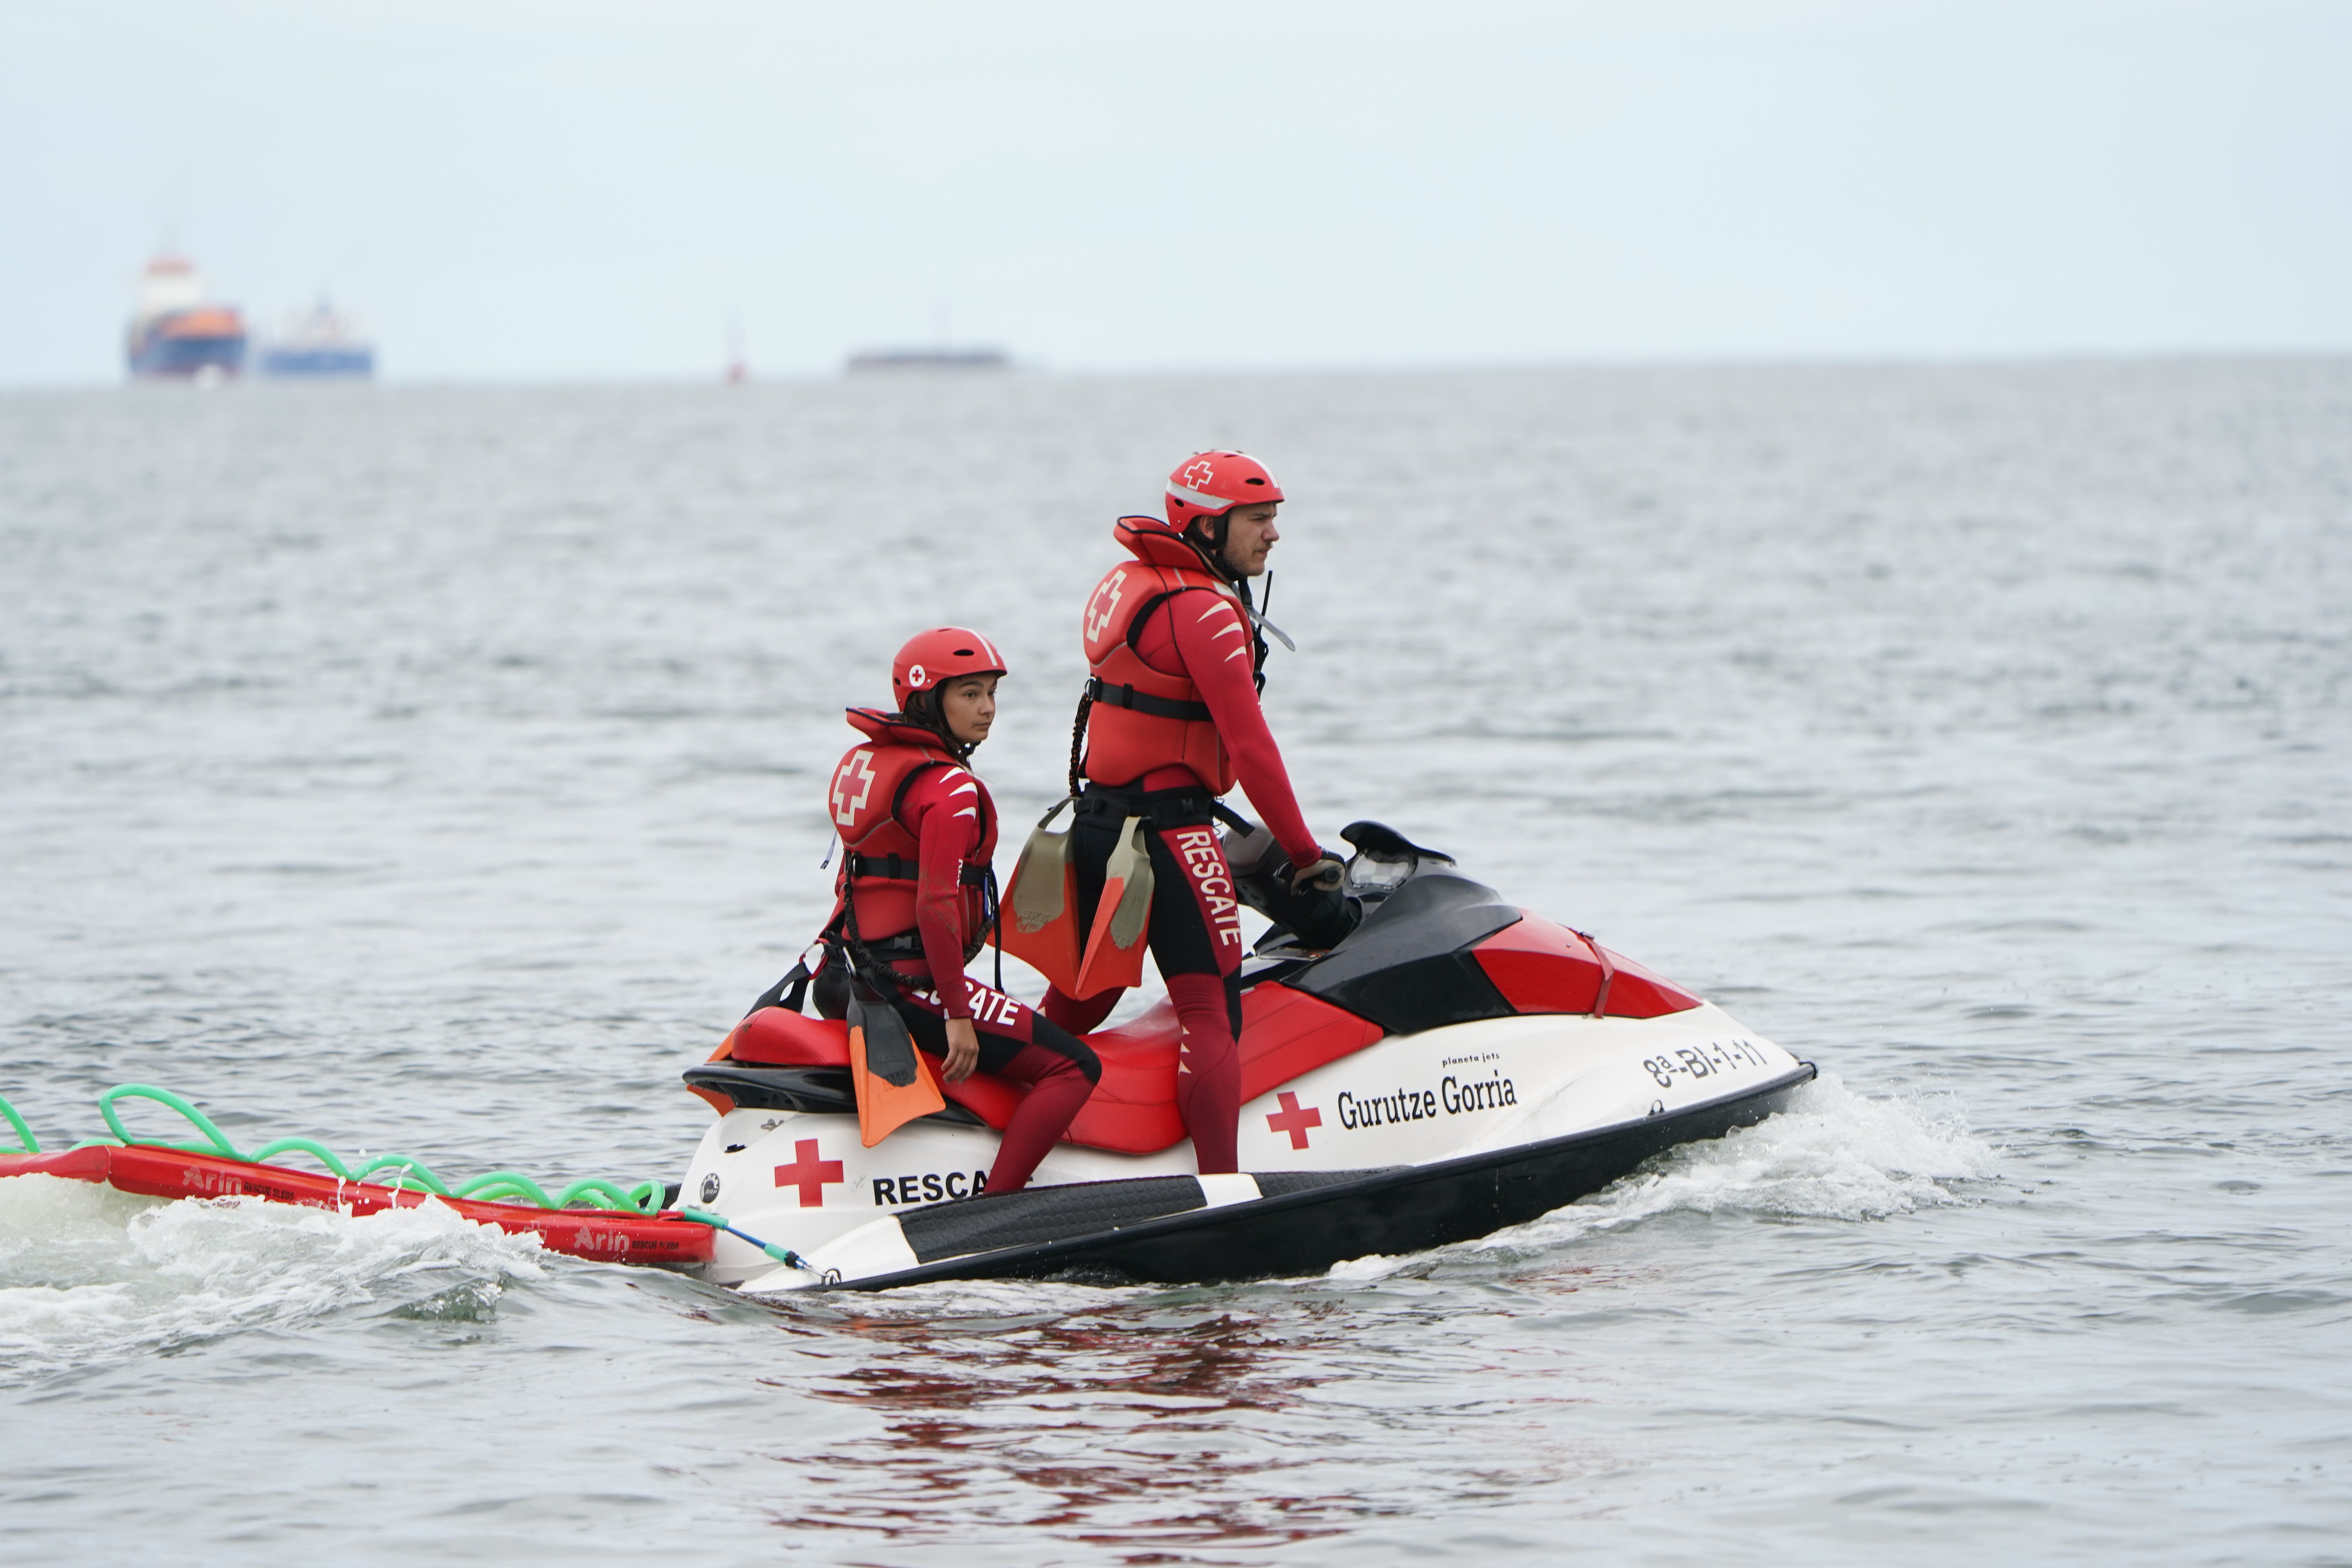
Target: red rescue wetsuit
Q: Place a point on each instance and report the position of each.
(1176, 721)
(912, 820)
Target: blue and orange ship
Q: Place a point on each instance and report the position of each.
(177, 334)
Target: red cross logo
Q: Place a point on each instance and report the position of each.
(809, 1173)
(1289, 1119)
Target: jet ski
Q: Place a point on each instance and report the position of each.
(1451, 1065)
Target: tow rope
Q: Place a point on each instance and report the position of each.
(783, 1255)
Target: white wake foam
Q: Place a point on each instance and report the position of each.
(1833, 1154)
(88, 1274)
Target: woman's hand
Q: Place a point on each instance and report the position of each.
(963, 1049)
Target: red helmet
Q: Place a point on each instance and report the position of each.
(940, 654)
(1210, 484)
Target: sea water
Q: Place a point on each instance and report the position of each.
(438, 771)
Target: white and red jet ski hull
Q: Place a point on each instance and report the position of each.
(1488, 1095)
(1452, 1065)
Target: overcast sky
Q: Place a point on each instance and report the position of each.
(583, 189)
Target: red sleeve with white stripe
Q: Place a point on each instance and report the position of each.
(1209, 635)
(943, 809)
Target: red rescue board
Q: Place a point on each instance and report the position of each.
(613, 1234)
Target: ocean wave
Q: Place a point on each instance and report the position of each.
(1835, 1155)
(89, 1275)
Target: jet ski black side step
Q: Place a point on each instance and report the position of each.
(1307, 1221)
(1084, 1209)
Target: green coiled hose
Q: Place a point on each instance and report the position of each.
(409, 1173)
(25, 1143)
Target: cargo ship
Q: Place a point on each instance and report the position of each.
(321, 343)
(922, 361)
(177, 333)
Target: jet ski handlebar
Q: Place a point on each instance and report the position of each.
(1384, 859)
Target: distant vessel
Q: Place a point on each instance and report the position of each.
(321, 343)
(738, 369)
(933, 359)
(177, 334)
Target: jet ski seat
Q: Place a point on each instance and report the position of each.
(1441, 948)
(1133, 1110)
(1285, 1033)
(778, 1037)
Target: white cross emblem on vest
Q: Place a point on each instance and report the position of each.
(1099, 612)
(858, 765)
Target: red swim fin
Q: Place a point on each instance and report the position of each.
(1041, 907)
(1122, 917)
(893, 1082)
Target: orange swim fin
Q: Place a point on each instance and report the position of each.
(1041, 907)
(1122, 917)
(893, 1082)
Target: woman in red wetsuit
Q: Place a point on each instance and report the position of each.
(915, 892)
(1171, 723)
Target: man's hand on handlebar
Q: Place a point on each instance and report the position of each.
(1326, 875)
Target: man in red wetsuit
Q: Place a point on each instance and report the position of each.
(1172, 722)
(915, 893)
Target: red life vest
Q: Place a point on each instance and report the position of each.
(882, 853)
(1141, 719)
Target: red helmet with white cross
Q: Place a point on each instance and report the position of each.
(940, 655)
(1210, 484)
